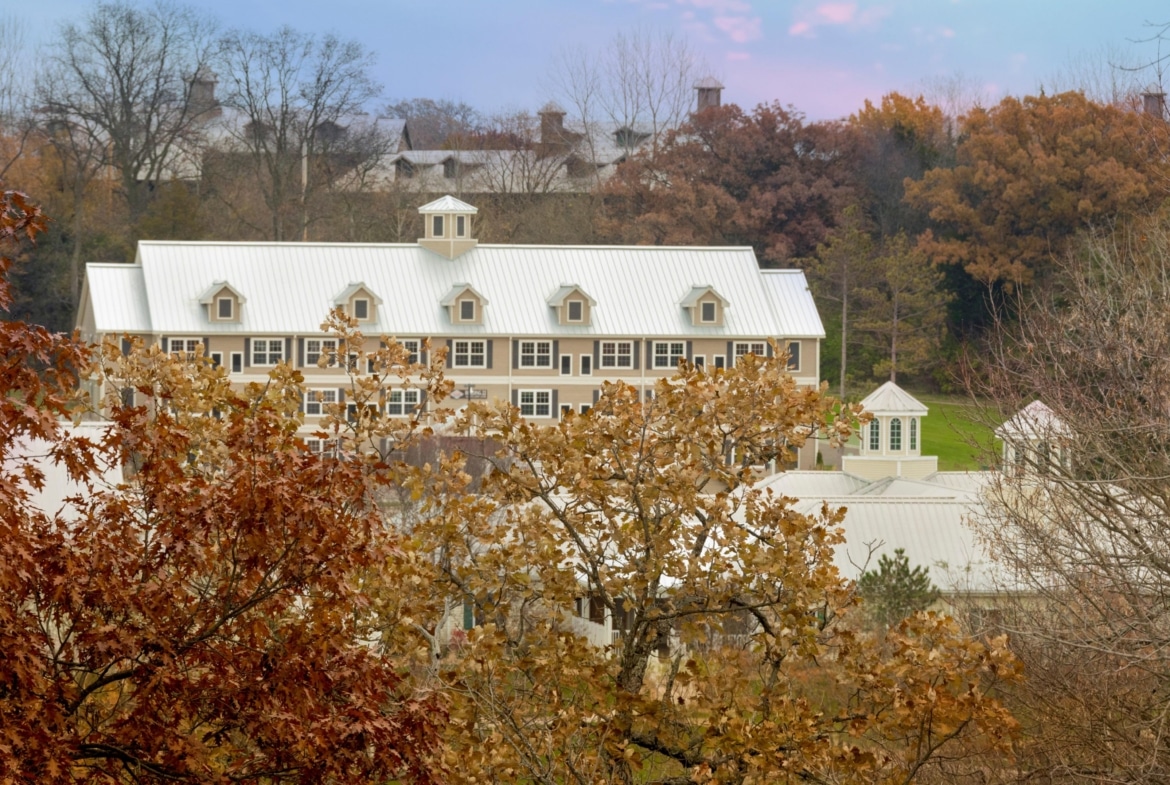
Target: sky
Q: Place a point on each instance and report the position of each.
(823, 58)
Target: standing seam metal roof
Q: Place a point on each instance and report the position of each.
(290, 286)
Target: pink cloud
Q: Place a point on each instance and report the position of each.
(738, 56)
(848, 14)
(800, 28)
(740, 29)
(836, 13)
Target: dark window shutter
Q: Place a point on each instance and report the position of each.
(516, 398)
(515, 354)
(689, 343)
(207, 348)
(422, 353)
(596, 395)
(489, 353)
(730, 354)
(247, 352)
(450, 352)
(288, 350)
(300, 352)
(768, 349)
(596, 356)
(556, 354)
(422, 400)
(636, 351)
(649, 354)
(125, 346)
(163, 343)
(556, 411)
(341, 395)
(127, 396)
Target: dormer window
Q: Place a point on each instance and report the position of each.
(358, 301)
(708, 315)
(223, 303)
(361, 309)
(225, 308)
(460, 226)
(576, 309)
(574, 305)
(467, 310)
(437, 226)
(706, 306)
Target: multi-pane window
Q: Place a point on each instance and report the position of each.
(617, 354)
(361, 308)
(875, 435)
(913, 433)
(470, 354)
(536, 403)
(224, 308)
(400, 403)
(267, 351)
(326, 447)
(896, 435)
(318, 401)
(412, 347)
(668, 353)
(536, 354)
(759, 349)
(316, 347)
(467, 310)
(575, 310)
(185, 348)
(707, 312)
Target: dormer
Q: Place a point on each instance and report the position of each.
(464, 305)
(706, 306)
(447, 227)
(224, 303)
(1035, 441)
(358, 301)
(574, 307)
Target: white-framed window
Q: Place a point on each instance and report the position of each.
(699, 361)
(325, 447)
(352, 410)
(315, 347)
(758, 348)
(461, 226)
(896, 435)
(185, 348)
(576, 311)
(467, 310)
(267, 351)
(413, 347)
(566, 365)
(585, 407)
(587, 365)
(720, 361)
(361, 309)
(536, 403)
(913, 433)
(225, 308)
(318, 401)
(794, 355)
(437, 225)
(566, 408)
(237, 362)
(707, 313)
(617, 354)
(469, 354)
(875, 435)
(401, 403)
(536, 354)
(668, 353)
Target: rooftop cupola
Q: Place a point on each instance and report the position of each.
(891, 443)
(709, 93)
(1035, 441)
(447, 226)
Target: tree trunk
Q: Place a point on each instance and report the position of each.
(844, 324)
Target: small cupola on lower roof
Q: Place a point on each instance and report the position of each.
(224, 302)
(706, 306)
(447, 226)
(1035, 441)
(891, 443)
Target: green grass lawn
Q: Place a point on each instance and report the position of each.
(953, 432)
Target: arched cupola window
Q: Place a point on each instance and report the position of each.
(875, 435)
(896, 435)
(913, 433)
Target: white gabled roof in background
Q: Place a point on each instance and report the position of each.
(892, 399)
(790, 295)
(1034, 421)
(290, 286)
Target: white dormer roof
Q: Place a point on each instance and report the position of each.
(448, 204)
(1034, 421)
(557, 298)
(217, 287)
(354, 287)
(698, 292)
(892, 399)
(457, 291)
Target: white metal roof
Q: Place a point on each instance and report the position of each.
(1034, 421)
(290, 287)
(892, 399)
(447, 204)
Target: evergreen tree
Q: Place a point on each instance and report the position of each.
(894, 590)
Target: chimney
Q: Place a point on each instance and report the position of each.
(554, 140)
(709, 92)
(202, 100)
(1154, 103)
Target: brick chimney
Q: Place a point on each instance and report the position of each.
(709, 92)
(203, 103)
(554, 138)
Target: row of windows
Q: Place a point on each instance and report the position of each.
(875, 434)
(475, 354)
(398, 403)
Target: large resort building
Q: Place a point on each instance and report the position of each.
(540, 326)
